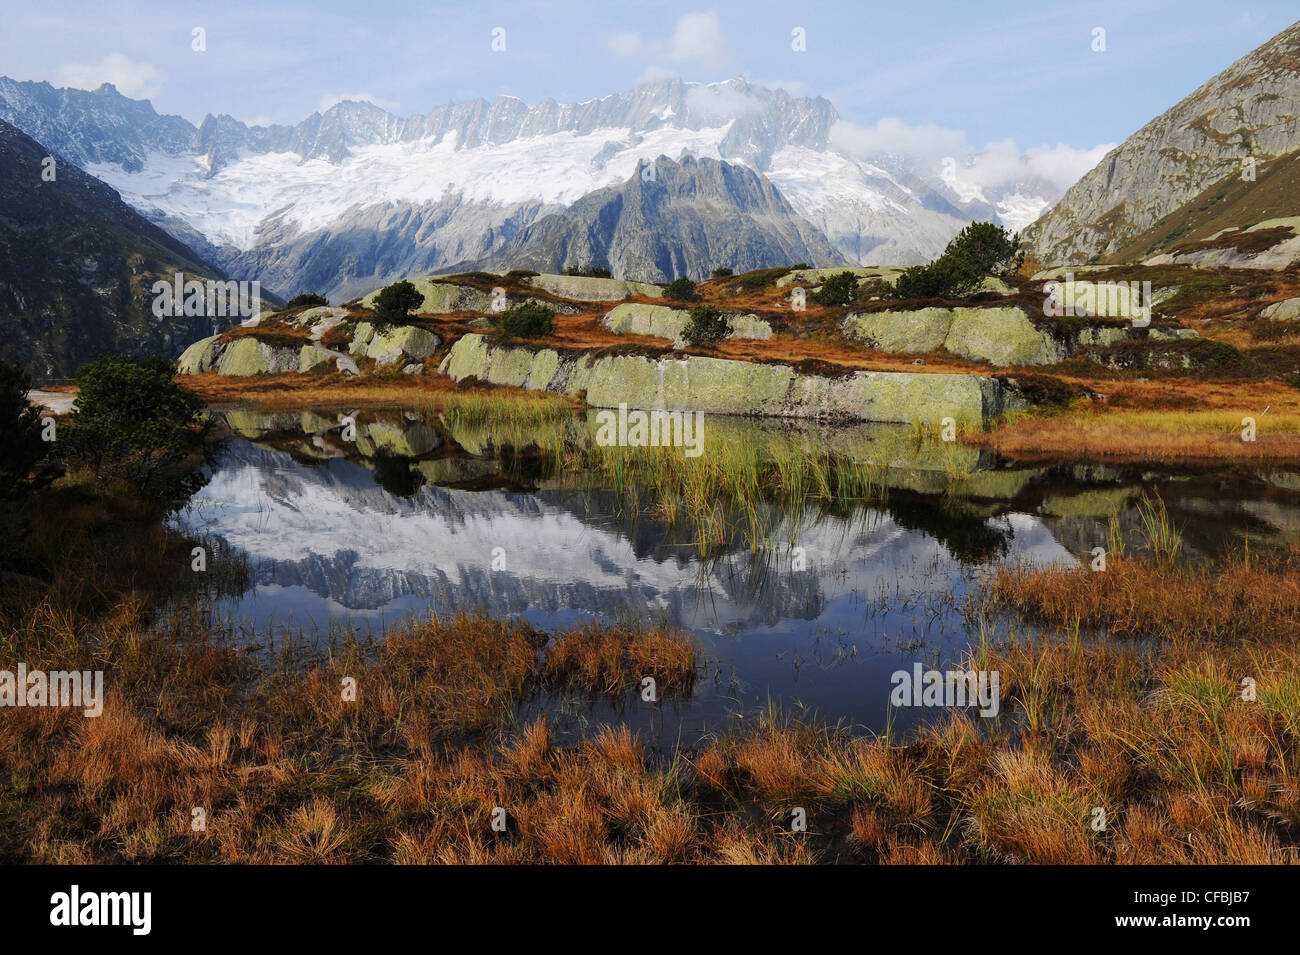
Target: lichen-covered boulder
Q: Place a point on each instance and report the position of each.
(311, 356)
(404, 341)
(442, 298)
(361, 336)
(199, 357)
(247, 356)
(907, 333)
(1287, 310)
(716, 385)
(635, 318)
(1000, 336)
(816, 277)
(1105, 299)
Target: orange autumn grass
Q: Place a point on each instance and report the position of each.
(1154, 732)
(1171, 421)
(290, 391)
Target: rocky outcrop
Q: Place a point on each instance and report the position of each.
(583, 288)
(723, 386)
(661, 321)
(404, 344)
(999, 336)
(1287, 310)
(815, 277)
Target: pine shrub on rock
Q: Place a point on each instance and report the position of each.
(528, 320)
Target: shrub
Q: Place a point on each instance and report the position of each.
(722, 272)
(682, 290)
(589, 271)
(987, 247)
(980, 249)
(706, 327)
(528, 320)
(839, 289)
(394, 304)
(309, 299)
(942, 278)
(132, 421)
(20, 436)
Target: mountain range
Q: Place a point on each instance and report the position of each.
(353, 197)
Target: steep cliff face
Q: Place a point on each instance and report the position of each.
(1251, 109)
(671, 219)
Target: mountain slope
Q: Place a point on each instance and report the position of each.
(671, 219)
(1250, 109)
(77, 265)
(1229, 205)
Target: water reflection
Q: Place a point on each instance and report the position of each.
(417, 514)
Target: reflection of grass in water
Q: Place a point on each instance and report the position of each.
(738, 489)
(750, 484)
(483, 408)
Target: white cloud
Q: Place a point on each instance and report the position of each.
(893, 136)
(699, 36)
(1065, 165)
(136, 80)
(653, 74)
(333, 99)
(625, 44)
(996, 164)
(720, 102)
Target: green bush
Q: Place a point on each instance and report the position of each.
(706, 327)
(682, 290)
(942, 278)
(132, 421)
(528, 320)
(20, 436)
(839, 289)
(394, 304)
(987, 247)
(722, 272)
(309, 299)
(979, 250)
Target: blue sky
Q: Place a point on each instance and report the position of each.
(981, 72)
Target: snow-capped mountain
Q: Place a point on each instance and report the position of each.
(456, 185)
